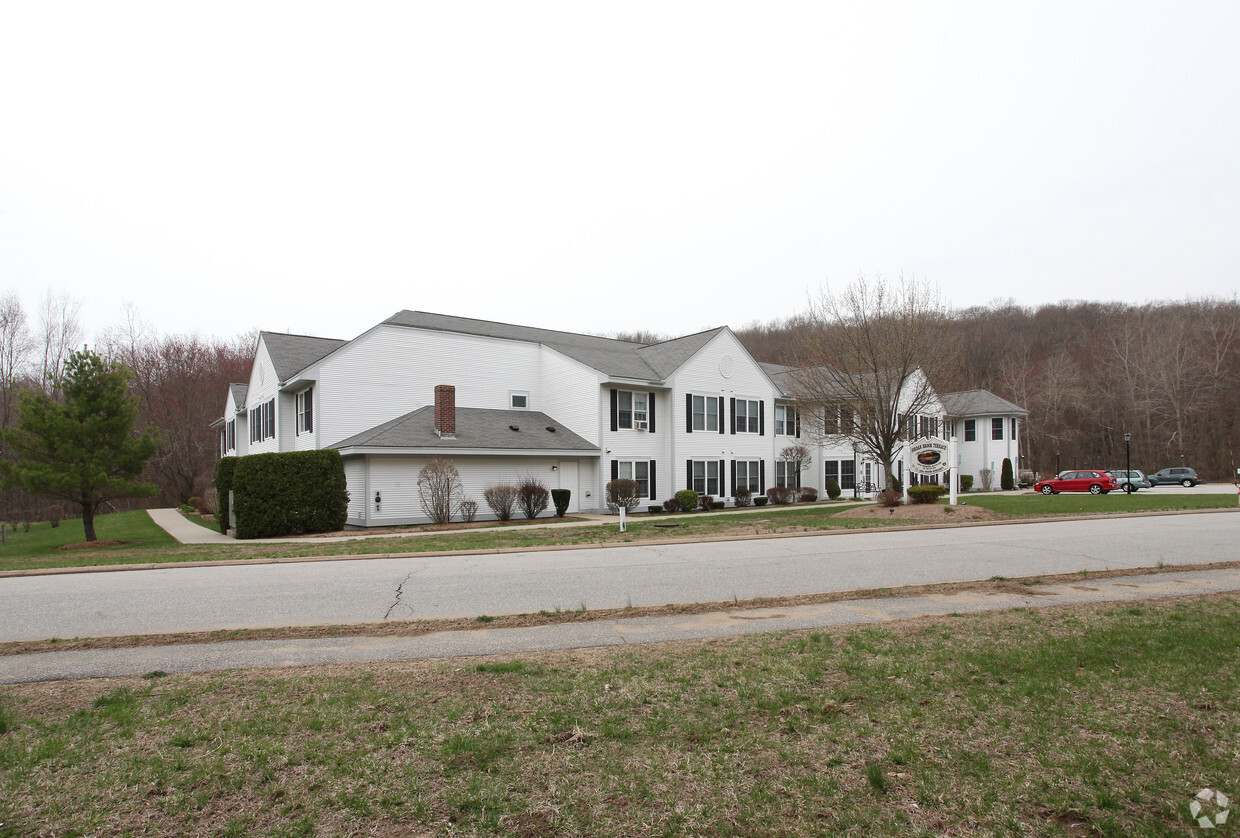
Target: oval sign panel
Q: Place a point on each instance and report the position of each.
(929, 456)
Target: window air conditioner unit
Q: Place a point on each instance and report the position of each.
(641, 426)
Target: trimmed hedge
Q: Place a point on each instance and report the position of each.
(688, 499)
(223, 485)
(1006, 481)
(560, 499)
(833, 488)
(966, 482)
(926, 493)
(289, 493)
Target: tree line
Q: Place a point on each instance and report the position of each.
(179, 382)
(1168, 373)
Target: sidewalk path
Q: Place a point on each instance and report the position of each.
(106, 663)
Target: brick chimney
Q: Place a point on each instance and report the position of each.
(445, 410)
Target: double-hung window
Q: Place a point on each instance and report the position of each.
(996, 428)
(305, 410)
(631, 410)
(706, 477)
(784, 474)
(705, 413)
(785, 420)
(748, 416)
(748, 476)
(970, 430)
(638, 470)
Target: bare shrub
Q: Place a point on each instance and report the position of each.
(532, 496)
(779, 494)
(439, 490)
(706, 502)
(988, 479)
(469, 510)
(890, 498)
(807, 494)
(502, 500)
(671, 505)
(744, 497)
(623, 493)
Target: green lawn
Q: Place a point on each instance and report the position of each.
(1100, 720)
(146, 543)
(1082, 502)
(44, 541)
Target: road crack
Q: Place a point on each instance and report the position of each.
(400, 592)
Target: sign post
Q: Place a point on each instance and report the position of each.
(954, 479)
(624, 526)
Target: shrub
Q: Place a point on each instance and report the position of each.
(759, 501)
(926, 493)
(779, 494)
(210, 501)
(744, 496)
(898, 485)
(193, 503)
(988, 479)
(890, 498)
(439, 490)
(706, 502)
(1026, 478)
(671, 505)
(560, 499)
(654, 508)
(502, 499)
(623, 493)
(532, 496)
(1006, 482)
(688, 499)
(966, 482)
(833, 488)
(718, 504)
(223, 485)
(287, 493)
(807, 494)
(469, 510)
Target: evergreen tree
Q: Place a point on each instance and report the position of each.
(1006, 481)
(81, 449)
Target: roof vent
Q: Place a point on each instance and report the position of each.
(550, 429)
(513, 428)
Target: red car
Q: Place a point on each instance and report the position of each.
(1093, 480)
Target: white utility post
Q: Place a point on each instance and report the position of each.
(908, 473)
(954, 478)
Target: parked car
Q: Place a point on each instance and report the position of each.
(1130, 481)
(1094, 481)
(1186, 477)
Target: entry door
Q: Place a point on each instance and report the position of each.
(568, 480)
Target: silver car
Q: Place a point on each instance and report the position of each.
(1130, 481)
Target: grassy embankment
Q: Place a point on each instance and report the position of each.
(1099, 720)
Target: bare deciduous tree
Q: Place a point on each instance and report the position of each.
(60, 332)
(439, 490)
(874, 353)
(15, 349)
(798, 459)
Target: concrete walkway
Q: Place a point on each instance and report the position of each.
(185, 658)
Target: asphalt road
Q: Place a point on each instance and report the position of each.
(324, 593)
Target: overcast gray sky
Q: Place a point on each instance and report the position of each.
(670, 166)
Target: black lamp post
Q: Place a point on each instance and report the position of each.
(1128, 461)
(1056, 462)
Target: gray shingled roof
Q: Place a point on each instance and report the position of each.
(238, 394)
(619, 358)
(475, 428)
(978, 403)
(293, 353)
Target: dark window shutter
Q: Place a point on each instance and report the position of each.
(654, 492)
(723, 474)
(310, 409)
(734, 476)
(796, 417)
(615, 469)
(719, 413)
(688, 474)
(650, 412)
(761, 418)
(762, 477)
(733, 415)
(615, 410)
(688, 413)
